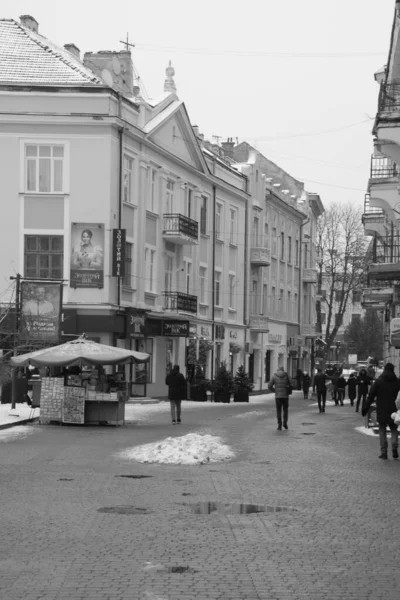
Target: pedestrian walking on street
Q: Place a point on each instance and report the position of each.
(280, 384)
(306, 384)
(320, 385)
(352, 388)
(363, 384)
(176, 392)
(335, 379)
(341, 389)
(385, 390)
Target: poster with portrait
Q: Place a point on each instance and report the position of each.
(87, 255)
(41, 305)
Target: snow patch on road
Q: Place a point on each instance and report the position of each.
(366, 431)
(252, 413)
(16, 433)
(190, 449)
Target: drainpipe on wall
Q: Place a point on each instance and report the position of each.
(213, 281)
(300, 309)
(246, 266)
(120, 188)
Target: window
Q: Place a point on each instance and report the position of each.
(188, 276)
(153, 191)
(169, 197)
(231, 291)
(355, 317)
(256, 230)
(266, 235)
(128, 179)
(127, 279)
(305, 256)
(323, 318)
(149, 263)
(189, 203)
(254, 298)
(338, 320)
(265, 299)
(356, 297)
(338, 295)
(44, 256)
(289, 249)
(218, 221)
(168, 273)
(203, 275)
(323, 294)
(232, 226)
(282, 246)
(274, 241)
(297, 253)
(217, 288)
(203, 215)
(44, 168)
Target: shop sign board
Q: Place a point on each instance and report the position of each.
(275, 338)
(41, 307)
(118, 249)
(87, 256)
(352, 359)
(204, 331)
(135, 323)
(176, 328)
(395, 332)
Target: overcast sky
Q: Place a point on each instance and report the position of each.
(244, 70)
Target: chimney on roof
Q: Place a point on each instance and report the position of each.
(228, 146)
(114, 68)
(29, 22)
(74, 50)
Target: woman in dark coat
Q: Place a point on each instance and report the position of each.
(363, 385)
(352, 388)
(306, 384)
(176, 392)
(385, 390)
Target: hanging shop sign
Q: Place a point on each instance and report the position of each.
(135, 323)
(41, 307)
(176, 328)
(118, 250)
(87, 256)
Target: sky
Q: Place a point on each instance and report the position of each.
(295, 79)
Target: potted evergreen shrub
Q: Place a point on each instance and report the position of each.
(223, 384)
(242, 385)
(199, 386)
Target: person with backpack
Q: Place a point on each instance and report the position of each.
(280, 384)
(384, 390)
(177, 390)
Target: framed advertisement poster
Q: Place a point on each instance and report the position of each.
(87, 255)
(41, 305)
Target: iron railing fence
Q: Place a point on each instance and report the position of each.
(383, 167)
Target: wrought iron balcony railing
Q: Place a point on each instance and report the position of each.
(386, 249)
(176, 223)
(383, 167)
(371, 210)
(178, 301)
(389, 97)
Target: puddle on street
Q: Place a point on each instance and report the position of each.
(308, 433)
(124, 510)
(181, 570)
(223, 508)
(309, 423)
(134, 476)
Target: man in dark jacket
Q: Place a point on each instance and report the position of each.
(280, 384)
(176, 392)
(320, 385)
(363, 384)
(385, 390)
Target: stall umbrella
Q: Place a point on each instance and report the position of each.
(80, 352)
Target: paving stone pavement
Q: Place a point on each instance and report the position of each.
(340, 539)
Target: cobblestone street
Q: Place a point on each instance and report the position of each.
(338, 539)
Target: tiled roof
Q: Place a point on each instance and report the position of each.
(27, 57)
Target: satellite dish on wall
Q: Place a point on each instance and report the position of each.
(107, 77)
(116, 65)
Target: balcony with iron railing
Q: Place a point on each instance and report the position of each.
(180, 229)
(373, 218)
(383, 167)
(389, 97)
(385, 258)
(180, 302)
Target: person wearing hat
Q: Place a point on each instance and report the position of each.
(385, 390)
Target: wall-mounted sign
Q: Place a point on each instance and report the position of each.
(41, 305)
(204, 331)
(395, 332)
(135, 323)
(275, 338)
(233, 334)
(176, 328)
(87, 257)
(118, 250)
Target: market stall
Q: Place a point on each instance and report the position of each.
(83, 393)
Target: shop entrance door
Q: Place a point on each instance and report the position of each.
(251, 367)
(267, 369)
